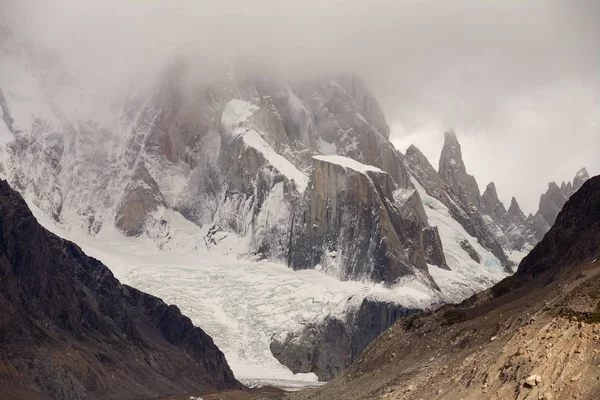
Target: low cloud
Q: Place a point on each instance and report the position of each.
(518, 81)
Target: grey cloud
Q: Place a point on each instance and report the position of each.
(518, 80)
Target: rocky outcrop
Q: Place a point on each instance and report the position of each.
(485, 217)
(329, 347)
(495, 345)
(514, 213)
(434, 249)
(581, 177)
(452, 170)
(452, 194)
(555, 197)
(142, 198)
(70, 330)
(521, 231)
(493, 206)
(466, 246)
(551, 203)
(573, 239)
(350, 225)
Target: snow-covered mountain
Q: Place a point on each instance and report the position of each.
(298, 173)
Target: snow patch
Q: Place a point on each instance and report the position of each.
(253, 139)
(236, 112)
(346, 162)
(466, 277)
(516, 256)
(241, 304)
(402, 195)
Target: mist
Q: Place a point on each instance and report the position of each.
(518, 81)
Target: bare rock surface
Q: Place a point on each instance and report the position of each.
(533, 336)
(70, 330)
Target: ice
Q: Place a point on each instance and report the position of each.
(466, 276)
(236, 112)
(242, 304)
(346, 162)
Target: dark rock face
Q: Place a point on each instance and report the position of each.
(573, 238)
(350, 217)
(142, 197)
(453, 171)
(453, 193)
(493, 206)
(434, 251)
(555, 197)
(330, 347)
(70, 330)
(466, 246)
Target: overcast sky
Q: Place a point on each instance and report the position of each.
(519, 81)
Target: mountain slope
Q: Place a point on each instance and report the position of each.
(70, 330)
(234, 151)
(298, 172)
(532, 336)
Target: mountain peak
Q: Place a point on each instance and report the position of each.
(451, 160)
(452, 170)
(412, 149)
(450, 135)
(514, 210)
(491, 189)
(579, 216)
(553, 185)
(514, 205)
(583, 173)
(580, 178)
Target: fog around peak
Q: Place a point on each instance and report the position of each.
(518, 81)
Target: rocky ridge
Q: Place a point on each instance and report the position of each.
(484, 216)
(70, 330)
(235, 152)
(246, 154)
(532, 336)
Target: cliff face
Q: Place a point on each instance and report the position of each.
(458, 191)
(350, 217)
(574, 238)
(329, 347)
(70, 330)
(531, 336)
(555, 197)
(452, 170)
(234, 151)
(484, 216)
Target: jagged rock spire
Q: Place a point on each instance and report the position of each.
(453, 172)
(555, 197)
(492, 205)
(514, 210)
(580, 178)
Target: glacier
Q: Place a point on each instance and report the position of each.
(242, 304)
